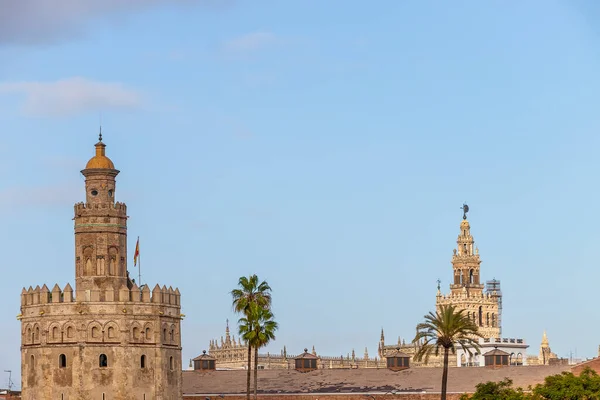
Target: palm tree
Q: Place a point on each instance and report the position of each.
(443, 330)
(258, 329)
(249, 292)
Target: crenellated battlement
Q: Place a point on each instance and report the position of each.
(160, 296)
(82, 207)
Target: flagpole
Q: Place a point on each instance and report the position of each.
(139, 266)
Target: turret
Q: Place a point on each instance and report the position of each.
(100, 232)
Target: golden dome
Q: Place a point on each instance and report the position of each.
(100, 161)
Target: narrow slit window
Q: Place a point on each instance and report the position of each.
(103, 362)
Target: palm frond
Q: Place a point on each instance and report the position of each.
(445, 329)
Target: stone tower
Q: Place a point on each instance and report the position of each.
(109, 339)
(467, 291)
(546, 353)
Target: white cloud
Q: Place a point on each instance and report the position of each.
(71, 96)
(33, 22)
(249, 43)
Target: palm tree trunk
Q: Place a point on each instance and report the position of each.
(255, 370)
(445, 374)
(249, 372)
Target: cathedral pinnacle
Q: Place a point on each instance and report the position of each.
(545, 340)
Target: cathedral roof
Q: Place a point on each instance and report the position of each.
(100, 161)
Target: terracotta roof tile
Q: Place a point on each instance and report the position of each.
(362, 380)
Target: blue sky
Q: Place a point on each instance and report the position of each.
(325, 146)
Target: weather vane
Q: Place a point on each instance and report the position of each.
(465, 209)
(438, 282)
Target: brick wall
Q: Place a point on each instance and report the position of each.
(593, 364)
(322, 396)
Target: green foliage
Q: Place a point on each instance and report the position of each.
(444, 330)
(564, 386)
(253, 300)
(496, 391)
(249, 291)
(567, 386)
(257, 327)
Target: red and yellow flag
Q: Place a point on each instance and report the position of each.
(136, 255)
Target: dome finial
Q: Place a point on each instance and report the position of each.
(100, 135)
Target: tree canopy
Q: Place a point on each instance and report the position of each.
(564, 386)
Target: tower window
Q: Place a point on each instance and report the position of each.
(110, 193)
(143, 361)
(62, 361)
(94, 192)
(103, 361)
(171, 363)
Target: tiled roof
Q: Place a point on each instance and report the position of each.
(362, 380)
(306, 355)
(204, 356)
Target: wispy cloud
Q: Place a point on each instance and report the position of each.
(31, 22)
(249, 43)
(71, 96)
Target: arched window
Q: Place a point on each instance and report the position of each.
(165, 334)
(70, 332)
(37, 334)
(148, 337)
(171, 367)
(32, 362)
(136, 333)
(143, 361)
(103, 362)
(62, 361)
(471, 277)
(29, 335)
(171, 335)
(487, 319)
(95, 332)
(480, 316)
(55, 332)
(111, 332)
(493, 320)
